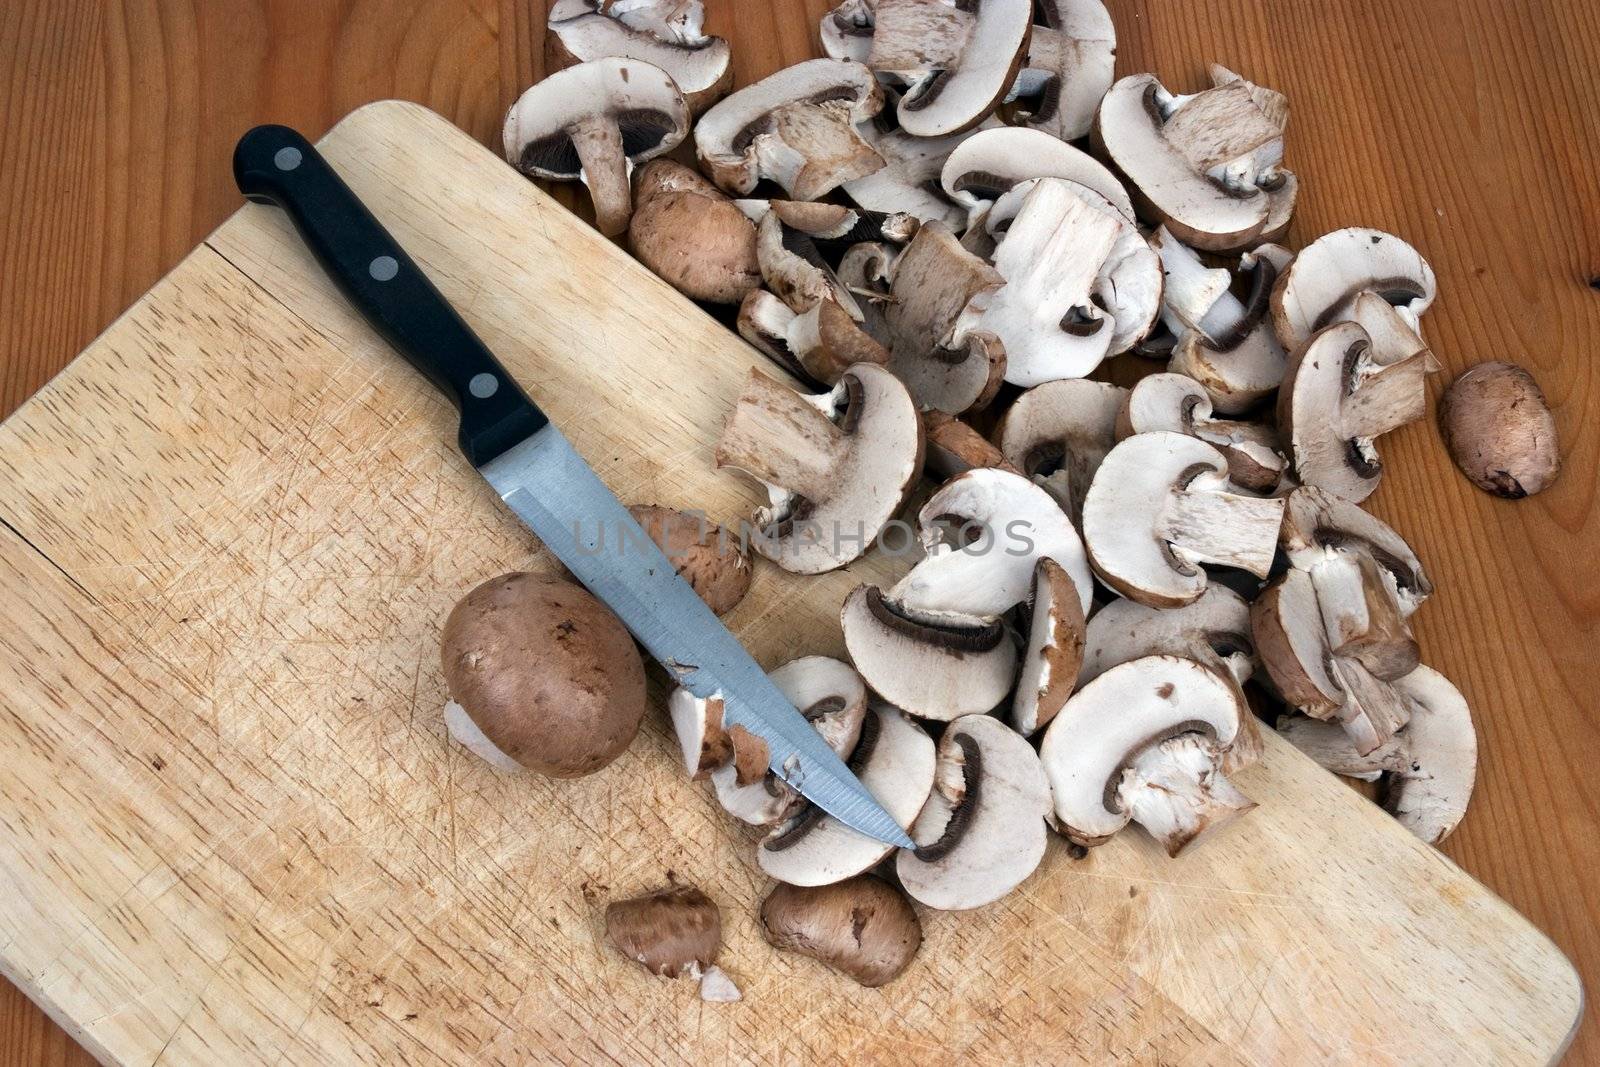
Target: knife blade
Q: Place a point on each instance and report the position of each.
(539, 475)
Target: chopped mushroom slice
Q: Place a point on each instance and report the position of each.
(955, 447)
(1331, 747)
(1179, 404)
(796, 127)
(698, 724)
(935, 668)
(1430, 797)
(862, 927)
(1068, 68)
(982, 831)
(956, 58)
(1003, 525)
(1142, 742)
(1058, 433)
(1054, 652)
(674, 932)
(714, 564)
(846, 31)
(691, 235)
(1159, 507)
(987, 164)
(592, 123)
(1318, 525)
(909, 180)
(1321, 286)
(895, 762)
(699, 64)
(818, 345)
(837, 467)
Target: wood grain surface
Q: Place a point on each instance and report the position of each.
(1466, 127)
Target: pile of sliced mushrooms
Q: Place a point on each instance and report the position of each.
(944, 230)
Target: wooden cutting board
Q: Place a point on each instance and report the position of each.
(233, 830)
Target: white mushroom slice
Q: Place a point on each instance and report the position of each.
(909, 180)
(1004, 524)
(819, 344)
(1110, 755)
(1361, 615)
(895, 762)
(592, 123)
(1330, 746)
(1059, 432)
(864, 270)
(957, 58)
(669, 20)
(1233, 350)
(933, 668)
(794, 270)
(796, 127)
(1177, 403)
(1430, 796)
(1069, 67)
(982, 831)
(1321, 286)
(697, 722)
(1054, 651)
(1232, 133)
(1159, 507)
(1045, 314)
(1336, 399)
(987, 164)
(699, 64)
(1318, 525)
(846, 31)
(837, 466)
(938, 293)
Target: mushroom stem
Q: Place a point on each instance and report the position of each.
(1373, 710)
(1175, 791)
(780, 438)
(1223, 528)
(598, 141)
(834, 151)
(1331, 747)
(1386, 398)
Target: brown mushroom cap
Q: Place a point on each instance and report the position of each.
(862, 927)
(715, 563)
(548, 674)
(691, 235)
(674, 932)
(1499, 430)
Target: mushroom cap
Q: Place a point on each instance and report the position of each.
(1054, 653)
(691, 235)
(982, 831)
(1057, 433)
(1431, 796)
(863, 927)
(1213, 630)
(895, 762)
(954, 447)
(1292, 644)
(716, 565)
(1107, 724)
(1321, 385)
(989, 162)
(674, 932)
(1177, 403)
(1017, 522)
(1070, 64)
(701, 69)
(909, 179)
(546, 672)
(933, 668)
(1499, 430)
(1321, 285)
(959, 61)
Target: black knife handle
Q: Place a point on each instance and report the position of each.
(275, 165)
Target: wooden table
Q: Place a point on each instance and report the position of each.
(1467, 128)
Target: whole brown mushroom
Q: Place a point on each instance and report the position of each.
(862, 927)
(690, 234)
(1499, 430)
(542, 675)
(716, 564)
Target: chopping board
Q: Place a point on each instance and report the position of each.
(233, 829)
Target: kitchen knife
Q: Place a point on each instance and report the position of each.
(539, 475)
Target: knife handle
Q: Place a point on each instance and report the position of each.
(275, 165)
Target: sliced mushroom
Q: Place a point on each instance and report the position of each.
(987, 164)
(956, 58)
(894, 760)
(697, 722)
(1323, 283)
(1051, 259)
(955, 447)
(699, 64)
(1499, 430)
(1159, 507)
(1143, 742)
(691, 235)
(796, 127)
(714, 563)
(909, 179)
(938, 295)
(1002, 525)
(1068, 68)
(1179, 404)
(1431, 795)
(592, 123)
(837, 466)
(933, 667)
(674, 932)
(1058, 433)
(818, 345)
(982, 831)
(862, 927)
(1054, 652)
(1331, 747)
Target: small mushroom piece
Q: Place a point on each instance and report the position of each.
(541, 675)
(1179, 404)
(934, 667)
(837, 466)
(1054, 652)
(1430, 796)
(1068, 68)
(796, 127)
(818, 345)
(691, 235)
(697, 722)
(714, 563)
(1058, 433)
(982, 831)
(1499, 430)
(697, 63)
(1002, 525)
(894, 760)
(862, 927)
(846, 31)
(592, 123)
(954, 447)
(957, 59)
(989, 163)
(675, 933)
(1332, 748)
(938, 294)
(1337, 399)
(1159, 507)
(1051, 259)
(1321, 285)
(1142, 742)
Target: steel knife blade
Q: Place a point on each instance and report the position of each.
(539, 475)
